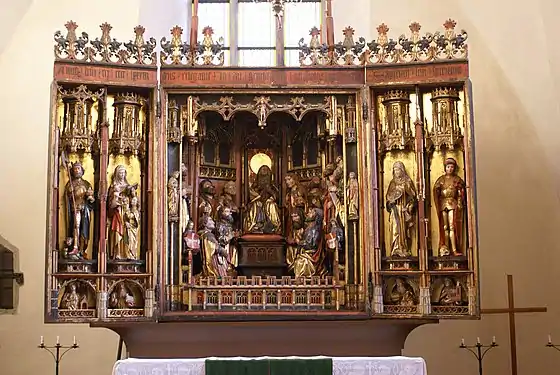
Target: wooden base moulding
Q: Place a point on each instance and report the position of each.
(343, 337)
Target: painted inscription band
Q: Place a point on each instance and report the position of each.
(241, 78)
(83, 73)
(309, 77)
(418, 73)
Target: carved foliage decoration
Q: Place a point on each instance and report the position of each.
(177, 52)
(105, 49)
(439, 46)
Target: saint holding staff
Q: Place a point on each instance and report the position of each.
(79, 201)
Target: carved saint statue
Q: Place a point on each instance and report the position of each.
(132, 225)
(173, 197)
(226, 235)
(352, 192)
(191, 239)
(227, 199)
(295, 202)
(215, 262)
(262, 215)
(79, 206)
(402, 293)
(123, 217)
(294, 238)
(449, 198)
(185, 212)
(315, 194)
(401, 202)
(121, 298)
(309, 258)
(205, 200)
(333, 206)
(335, 239)
(451, 294)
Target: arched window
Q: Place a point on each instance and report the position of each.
(250, 29)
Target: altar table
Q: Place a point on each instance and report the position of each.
(341, 365)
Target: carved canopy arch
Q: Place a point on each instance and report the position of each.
(263, 106)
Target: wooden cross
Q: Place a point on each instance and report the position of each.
(511, 310)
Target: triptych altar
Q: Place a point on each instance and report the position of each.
(181, 189)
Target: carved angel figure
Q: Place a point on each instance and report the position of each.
(401, 202)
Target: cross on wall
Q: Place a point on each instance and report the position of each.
(511, 310)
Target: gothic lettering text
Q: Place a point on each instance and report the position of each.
(110, 75)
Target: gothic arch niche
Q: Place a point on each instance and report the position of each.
(77, 299)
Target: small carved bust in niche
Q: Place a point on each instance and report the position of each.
(451, 294)
(73, 298)
(121, 298)
(402, 293)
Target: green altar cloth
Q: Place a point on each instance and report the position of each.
(288, 366)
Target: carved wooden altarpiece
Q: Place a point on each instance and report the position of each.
(342, 190)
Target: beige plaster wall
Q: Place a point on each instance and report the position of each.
(515, 76)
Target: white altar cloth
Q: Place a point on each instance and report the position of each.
(341, 365)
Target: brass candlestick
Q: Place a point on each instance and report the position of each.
(551, 345)
(57, 351)
(479, 350)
